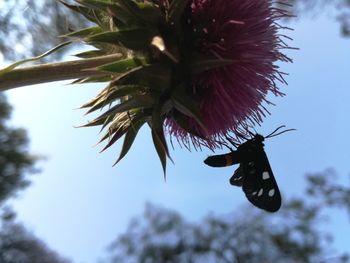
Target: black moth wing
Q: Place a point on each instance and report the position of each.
(238, 176)
(259, 184)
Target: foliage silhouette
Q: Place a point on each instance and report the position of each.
(18, 245)
(248, 235)
(15, 160)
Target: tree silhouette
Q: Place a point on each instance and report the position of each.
(29, 28)
(292, 235)
(18, 245)
(299, 8)
(15, 160)
(325, 189)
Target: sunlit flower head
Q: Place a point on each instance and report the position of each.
(197, 70)
(233, 96)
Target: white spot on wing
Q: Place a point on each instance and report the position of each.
(272, 192)
(261, 191)
(265, 175)
(254, 193)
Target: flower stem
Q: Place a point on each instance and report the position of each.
(55, 72)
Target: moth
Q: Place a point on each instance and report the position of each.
(254, 173)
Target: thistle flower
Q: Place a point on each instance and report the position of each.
(197, 69)
(232, 96)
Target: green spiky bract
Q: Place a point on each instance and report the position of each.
(149, 83)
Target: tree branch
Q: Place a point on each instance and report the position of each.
(55, 72)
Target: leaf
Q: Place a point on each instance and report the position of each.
(85, 32)
(158, 137)
(113, 9)
(200, 63)
(144, 12)
(184, 104)
(157, 125)
(94, 100)
(130, 6)
(96, 4)
(182, 121)
(114, 137)
(18, 63)
(75, 8)
(92, 80)
(124, 65)
(90, 103)
(149, 12)
(92, 15)
(142, 101)
(116, 93)
(108, 119)
(160, 148)
(91, 54)
(132, 38)
(95, 122)
(176, 10)
(117, 125)
(154, 76)
(115, 133)
(129, 138)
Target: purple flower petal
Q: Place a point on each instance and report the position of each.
(232, 96)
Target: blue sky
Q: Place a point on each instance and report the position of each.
(79, 202)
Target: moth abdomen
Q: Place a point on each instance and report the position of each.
(222, 160)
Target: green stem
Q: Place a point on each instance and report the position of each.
(55, 72)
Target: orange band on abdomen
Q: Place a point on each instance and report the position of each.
(228, 160)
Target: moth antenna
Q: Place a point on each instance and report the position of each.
(281, 133)
(272, 133)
